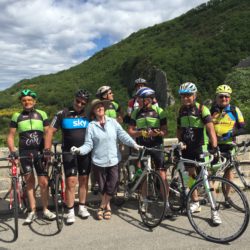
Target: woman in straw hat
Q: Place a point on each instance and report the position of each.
(102, 137)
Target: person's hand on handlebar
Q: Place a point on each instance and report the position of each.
(138, 147)
(75, 150)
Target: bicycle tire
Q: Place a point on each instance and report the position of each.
(59, 201)
(233, 221)
(119, 198)
(15, 207)
(152, 201)
(241, 177)
(177, 200)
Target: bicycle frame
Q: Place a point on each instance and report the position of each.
(203, 175)
(147, 169)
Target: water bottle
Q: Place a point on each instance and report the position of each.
(189, 181)
(137, 174)
(131, 172)
(185, 177)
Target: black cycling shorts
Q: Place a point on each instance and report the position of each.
(194, 154)
(157, 157)
(27, 164)
(79, 164)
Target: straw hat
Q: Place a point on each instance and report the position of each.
(96, 102)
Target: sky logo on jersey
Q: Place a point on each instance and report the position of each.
(75, 123)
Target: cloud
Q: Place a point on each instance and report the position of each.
(46, 36)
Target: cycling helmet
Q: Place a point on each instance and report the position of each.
(27, 92)
(187, 88)
(140, 81)
(145, 92)
(102, 90)
(224, 89)
(82, 93)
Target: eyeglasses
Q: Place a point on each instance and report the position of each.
(80, 102)
(224, 96)
(186, 95)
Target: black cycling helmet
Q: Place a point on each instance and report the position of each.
(27, 92)
(82, 93)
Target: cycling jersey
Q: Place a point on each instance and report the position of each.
(112, 109)
(191, 123)
(146, 119)
(226, 121)
(73, 126)
(30, 126)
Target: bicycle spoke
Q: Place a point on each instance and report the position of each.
(152, 199)
(234, 220)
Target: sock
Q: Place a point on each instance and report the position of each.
(81, 206)
(71, 210)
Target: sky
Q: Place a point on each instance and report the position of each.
(40, 37)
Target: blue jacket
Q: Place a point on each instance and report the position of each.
(103, 141)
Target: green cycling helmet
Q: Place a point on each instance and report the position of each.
(27, 92)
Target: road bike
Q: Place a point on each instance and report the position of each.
(57, 184)
(240, 170)
(16, 193)
(148, 187)
(211, 198)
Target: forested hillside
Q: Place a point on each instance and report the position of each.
(203, 45)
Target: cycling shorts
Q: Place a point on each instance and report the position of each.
(194, 154)
(79, 164)
(27, 164)
(157, 157)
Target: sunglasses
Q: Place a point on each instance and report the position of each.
(80, 102)
(186, 95)
(224, 96)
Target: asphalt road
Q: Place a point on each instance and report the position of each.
(124, 231)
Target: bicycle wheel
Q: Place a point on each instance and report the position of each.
(240, 172)
(176, 192)
(233, 221)
(119, 197)
(59, 201)
(15, 206)
(152, 199)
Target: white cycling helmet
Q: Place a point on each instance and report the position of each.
(187, 88)
(140, 81)
(145, 92)
(102, 90)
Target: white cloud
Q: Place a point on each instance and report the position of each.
(46, 36)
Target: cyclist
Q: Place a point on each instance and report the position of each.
(228, 120)
(31, 125)
(102, 137)
(113, 109)
(73, 123)
(148, 124)
(133, 102)
(194, 122)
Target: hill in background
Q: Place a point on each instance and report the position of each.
(203, 45)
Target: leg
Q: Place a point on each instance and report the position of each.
(43, 183)
(71, 182)
(30, 182)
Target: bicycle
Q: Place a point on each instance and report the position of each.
(240, 170)
(149, 189)
(56, 185)
(16, 193)
(211, 199)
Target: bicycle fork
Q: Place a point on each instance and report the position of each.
(209, 190)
